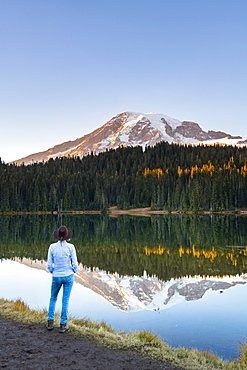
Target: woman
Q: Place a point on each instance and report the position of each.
(62, 263)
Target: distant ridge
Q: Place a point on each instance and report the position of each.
(132, 129)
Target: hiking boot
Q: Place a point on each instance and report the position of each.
(49, 325)
(63, 328)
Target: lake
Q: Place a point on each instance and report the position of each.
(181, 276)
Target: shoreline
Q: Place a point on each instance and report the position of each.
(115, 211)
(128, 351)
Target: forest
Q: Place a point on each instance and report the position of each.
(164, 177)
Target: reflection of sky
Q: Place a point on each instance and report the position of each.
(217, 322)
(33, 287)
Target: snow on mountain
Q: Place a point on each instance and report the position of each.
(227, 141)
(132, 129)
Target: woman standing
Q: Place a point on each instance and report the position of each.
(62, 263)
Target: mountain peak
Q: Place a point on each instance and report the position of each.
(132, 129)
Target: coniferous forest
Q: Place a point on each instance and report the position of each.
(164, 177)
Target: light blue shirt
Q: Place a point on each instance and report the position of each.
(62, 259)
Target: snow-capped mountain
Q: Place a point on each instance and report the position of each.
(132, 129)
(137, 293)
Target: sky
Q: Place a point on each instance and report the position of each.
(69, 66)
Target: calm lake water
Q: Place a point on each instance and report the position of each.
(181, 276)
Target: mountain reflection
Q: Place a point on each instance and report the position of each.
(165, 247)
(137, 293)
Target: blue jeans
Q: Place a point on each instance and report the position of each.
(57, 283)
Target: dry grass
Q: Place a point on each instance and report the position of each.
(145, 343)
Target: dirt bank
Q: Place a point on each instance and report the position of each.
(24, 346)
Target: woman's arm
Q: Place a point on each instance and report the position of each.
(74, 261)
(50, 261)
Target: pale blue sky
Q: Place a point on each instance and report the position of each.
(68, 66)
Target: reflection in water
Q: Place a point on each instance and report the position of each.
(134, 293)
(32, 283)
(143, 266)
(164, 246)
(216, 322)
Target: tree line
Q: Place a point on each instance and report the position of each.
(163, 177)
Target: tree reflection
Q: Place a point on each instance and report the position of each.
(167, 246)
